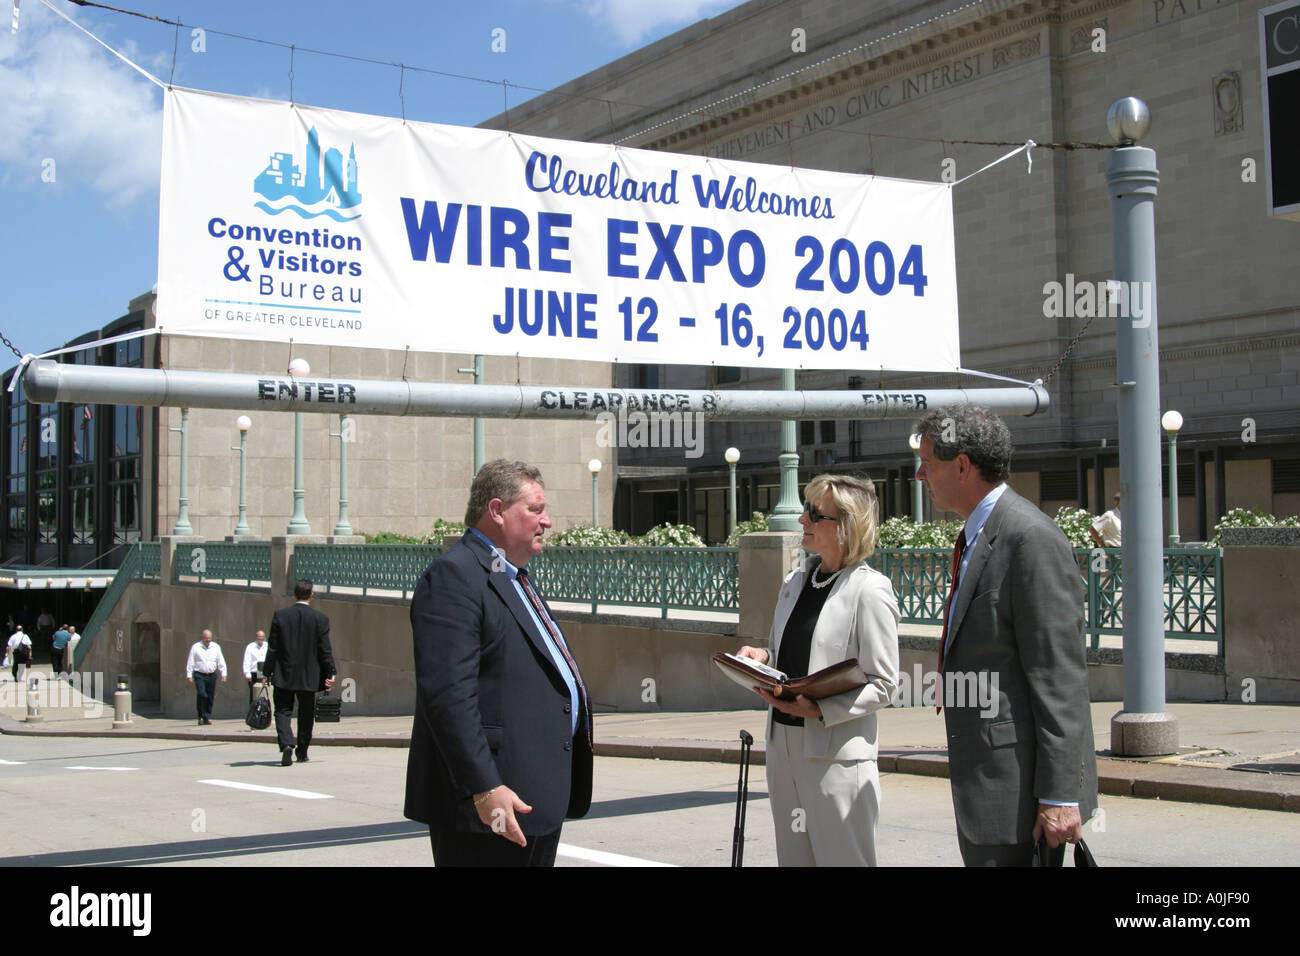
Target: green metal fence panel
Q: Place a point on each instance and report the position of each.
(219, 562)
(388, 568)
(920, 577)
(1193, 589)
(703, 579)
(150, 559)
(1193, 593)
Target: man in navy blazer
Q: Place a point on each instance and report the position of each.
(501, 746)
(1023, 765)
(299, 662)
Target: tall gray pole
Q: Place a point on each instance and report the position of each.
(1143, 727)
(343, 526)
(183, 525)
(785, 516)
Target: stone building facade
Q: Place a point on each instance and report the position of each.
(934, 91)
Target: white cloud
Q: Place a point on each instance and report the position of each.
(632, 20)
(68, 99)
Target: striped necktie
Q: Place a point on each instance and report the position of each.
(545, 618)
(957, 551)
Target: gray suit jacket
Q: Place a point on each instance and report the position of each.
(859, 620)
(1018, 619)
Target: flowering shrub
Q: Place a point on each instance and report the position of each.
(671, 536)
(1075, 522)
(759, 522)
(1249, 518)
(899, 532)
(585, 536)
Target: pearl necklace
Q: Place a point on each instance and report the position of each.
(827, 582)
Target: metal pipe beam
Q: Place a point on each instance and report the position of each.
(48, 381)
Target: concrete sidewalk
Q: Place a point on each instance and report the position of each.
(1234, 754)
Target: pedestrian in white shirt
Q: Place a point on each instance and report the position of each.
(254, 654)
(19, 651)
(1105, 530)
(201, 669)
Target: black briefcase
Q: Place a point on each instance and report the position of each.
(259, 711)
(328, 708)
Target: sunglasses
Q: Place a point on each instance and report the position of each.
(815, 515)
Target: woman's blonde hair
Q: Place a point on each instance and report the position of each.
(855, 499)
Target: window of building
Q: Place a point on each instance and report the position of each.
(1286, 476)
(81, 469)
(16, 467)
(646, 376)
(47, 474)
(807, 433)
(726, 374)
(125, 470)
(1058, 485)
(828, 433)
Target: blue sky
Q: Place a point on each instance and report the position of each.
(80, 130)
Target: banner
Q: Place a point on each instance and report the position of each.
(283, 222)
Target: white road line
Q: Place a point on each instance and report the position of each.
(81, 767)
(608, 859)
(13, 763)
(281, 791)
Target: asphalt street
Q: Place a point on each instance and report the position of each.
(89, 802)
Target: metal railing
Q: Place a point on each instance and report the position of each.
(130, 570)
(150, 559)
(1193, 589)
(390, 569)
(219, 562)
(698, 579)
(704, 579)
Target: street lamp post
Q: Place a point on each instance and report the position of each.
(594, 467)
(298, 522)
(243, 423)
(477, 372)
(183, 525)
(1171, 421)
(732, 455)
(785, 516)
(918, 500)
(1144, 727)
(344, 435)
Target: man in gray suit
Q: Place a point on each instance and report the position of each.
(1024, 768)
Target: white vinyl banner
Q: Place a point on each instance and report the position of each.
(283, 222)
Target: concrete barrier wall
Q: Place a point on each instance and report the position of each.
(1262, 615)
(629, 663)
(645, 664)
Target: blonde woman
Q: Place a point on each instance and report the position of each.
(822, 778)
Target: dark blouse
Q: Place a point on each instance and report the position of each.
(796, 639)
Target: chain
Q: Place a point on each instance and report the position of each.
(1069, 348)
(4, 338)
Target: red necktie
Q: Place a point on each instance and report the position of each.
(957, 551)
(545, 618)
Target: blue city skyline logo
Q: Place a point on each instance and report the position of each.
(320, 187)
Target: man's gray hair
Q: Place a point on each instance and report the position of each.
(971, 431)
(498, 479)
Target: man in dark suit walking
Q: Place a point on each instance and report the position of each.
(1022, 765)
(501, 746)
(299, 663)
